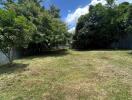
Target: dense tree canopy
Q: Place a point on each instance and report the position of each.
(15, 31)
(103, 25)
(25, 23)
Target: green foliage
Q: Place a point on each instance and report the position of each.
(15, 31)
(54, 11)
(111, 3)
(102, 26)
(29, 25)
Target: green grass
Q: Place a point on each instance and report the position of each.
(76, 75)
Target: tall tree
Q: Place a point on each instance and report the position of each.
(102, 26)
(46, 22)
(15, 31)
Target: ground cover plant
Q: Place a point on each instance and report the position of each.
(73, 75)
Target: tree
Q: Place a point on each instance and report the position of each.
(110, 3)
(54, 11)
(129, 20)
(102, 26)
(15, 31)
(50, 30)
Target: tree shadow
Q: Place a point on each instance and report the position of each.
(15, 67)
(130, 52)
(56, 53)
(102, 49)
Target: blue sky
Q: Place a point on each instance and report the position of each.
(67, 6)
(71, 10)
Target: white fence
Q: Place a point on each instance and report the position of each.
(3, 59)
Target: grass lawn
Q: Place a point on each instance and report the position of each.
(76, 75)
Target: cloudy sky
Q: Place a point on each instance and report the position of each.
(71, 10)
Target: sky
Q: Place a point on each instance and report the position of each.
(71, 10)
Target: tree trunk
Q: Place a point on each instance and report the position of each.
(10, 54)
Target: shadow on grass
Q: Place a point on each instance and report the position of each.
(130, 52)
(56, 53)
(102, 49)
(15, 67)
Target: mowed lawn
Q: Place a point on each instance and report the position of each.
(75, 75)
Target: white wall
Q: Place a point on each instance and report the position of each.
(3, 59)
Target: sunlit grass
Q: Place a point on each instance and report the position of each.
(76, 75)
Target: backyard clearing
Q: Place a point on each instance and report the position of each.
(73, 75)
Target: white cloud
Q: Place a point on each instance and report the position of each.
(125, 1)
(94, 2)
(72, 17)
(72, 30)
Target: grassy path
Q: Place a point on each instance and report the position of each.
(87, 75)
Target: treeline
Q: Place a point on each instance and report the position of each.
(103, 25)
(28, 25)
